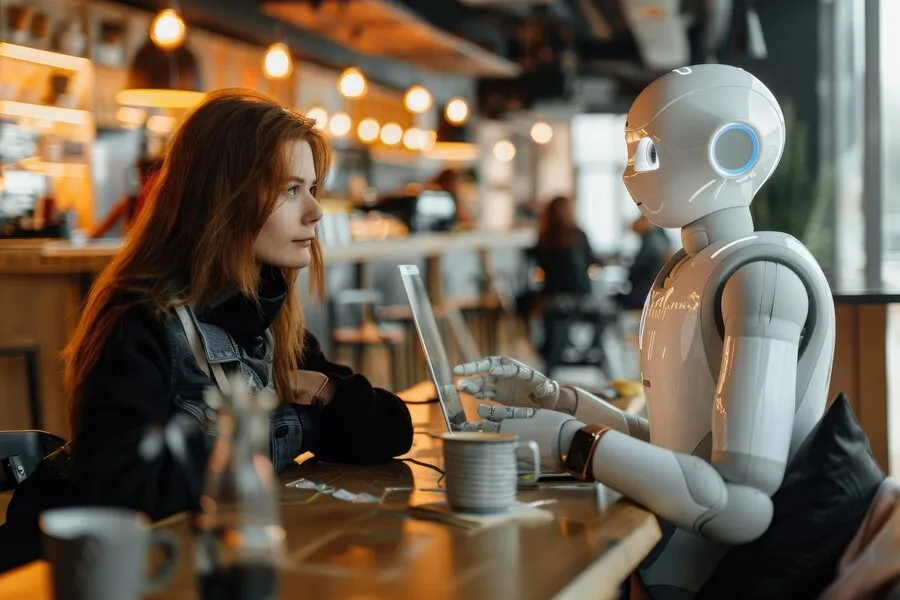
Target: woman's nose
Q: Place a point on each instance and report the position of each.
(313, 214)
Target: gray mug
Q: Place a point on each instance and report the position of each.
(480, 470)
(99, 553)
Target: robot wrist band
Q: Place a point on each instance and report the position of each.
(580, 459)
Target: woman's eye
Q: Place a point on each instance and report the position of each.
(293, 190)
(314, 190)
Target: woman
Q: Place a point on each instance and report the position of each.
(563, 251)
(233, 220)
(127, 209)
(564, 254)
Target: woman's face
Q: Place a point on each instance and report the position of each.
(286, 237)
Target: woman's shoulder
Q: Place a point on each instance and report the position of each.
(139, 328)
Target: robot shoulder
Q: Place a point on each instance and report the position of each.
(765, 293)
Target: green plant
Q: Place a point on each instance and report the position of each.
(793, 200)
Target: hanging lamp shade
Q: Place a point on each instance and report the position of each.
(160, 78)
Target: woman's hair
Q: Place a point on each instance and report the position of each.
(225, 169)
(147, 165)
(558, 226)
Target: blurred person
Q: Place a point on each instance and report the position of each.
(563, 251)
(129, 207)
(564, 255)
(655, 249)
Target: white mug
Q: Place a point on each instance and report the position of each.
(100, 553)
(480, 470)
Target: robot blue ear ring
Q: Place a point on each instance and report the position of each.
(734, 149)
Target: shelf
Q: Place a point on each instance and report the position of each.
(44, 57)
(41, 112)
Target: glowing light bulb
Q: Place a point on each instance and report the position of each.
(391, 134)
(367, 130)
(352, 83)
(541, 133)
(414, 138)
(417, 99)
(277, 63)
(504, 151)
(339, 125)
(457, 111)
(167, 29)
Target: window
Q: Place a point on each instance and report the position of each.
(605, 208)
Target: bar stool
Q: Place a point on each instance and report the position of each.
(30, 352)
(371, 333)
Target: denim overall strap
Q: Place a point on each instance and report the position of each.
(190, 330)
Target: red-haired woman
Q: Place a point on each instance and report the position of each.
(206, 284)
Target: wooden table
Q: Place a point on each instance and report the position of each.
(337, 549)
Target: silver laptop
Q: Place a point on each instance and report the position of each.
(436, 358)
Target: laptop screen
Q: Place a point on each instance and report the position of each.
(433, 347)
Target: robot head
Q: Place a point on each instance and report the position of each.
(701, 139)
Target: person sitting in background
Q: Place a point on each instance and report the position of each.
(448, 180)
(564, 255)
(209, 280)
(127, 208)
(563, 251)
(654, 251)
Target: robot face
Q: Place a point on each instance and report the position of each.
(700, 145)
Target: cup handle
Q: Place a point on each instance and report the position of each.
(535, 456)
(169, 544)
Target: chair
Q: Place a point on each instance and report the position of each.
(371, 332)
(563, 316)
(31, 353)
(21, 452)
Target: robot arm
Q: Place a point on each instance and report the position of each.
(764, 307)
(588, 408)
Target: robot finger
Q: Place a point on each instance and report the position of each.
(507, 371)
(471, 426)
(476, 390)
(482, 365)
(499, 413)
(480, 381)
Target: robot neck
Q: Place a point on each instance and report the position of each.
(726, 224)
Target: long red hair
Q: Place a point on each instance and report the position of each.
(224, 170)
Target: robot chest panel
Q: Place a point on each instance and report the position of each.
(678, 381)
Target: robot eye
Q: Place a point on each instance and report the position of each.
(646, 157)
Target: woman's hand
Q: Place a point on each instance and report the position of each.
(307, 386)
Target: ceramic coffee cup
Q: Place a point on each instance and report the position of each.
(98, 553)
(481, 470)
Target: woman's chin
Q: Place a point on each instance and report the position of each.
(297, 259)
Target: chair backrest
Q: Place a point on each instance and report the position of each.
(21, 452)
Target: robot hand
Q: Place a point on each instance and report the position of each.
(507, 381)
(553, 431)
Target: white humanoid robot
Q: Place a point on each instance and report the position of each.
(736, 339)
